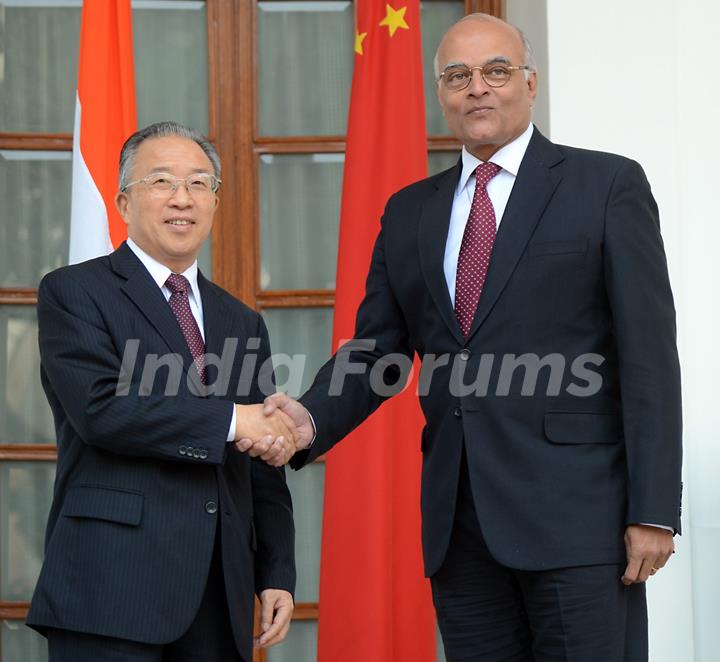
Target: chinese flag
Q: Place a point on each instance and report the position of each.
(104, 118)
(375, 603)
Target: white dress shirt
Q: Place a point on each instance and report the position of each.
(499, 188)
(160, 273)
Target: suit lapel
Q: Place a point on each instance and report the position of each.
(142, 290)
(432, 237)
(534, 186)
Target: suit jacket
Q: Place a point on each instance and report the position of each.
(578, 276)
(146, 481)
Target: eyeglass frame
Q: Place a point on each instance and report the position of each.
(175, 182)
(511, 68)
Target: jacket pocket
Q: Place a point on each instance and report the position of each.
(104, 503)
(557, 247)
(563, 427)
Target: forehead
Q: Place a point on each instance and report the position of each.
(173, 153)
(478, 42)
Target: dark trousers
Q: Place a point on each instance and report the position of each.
(488, 612)
(209, 638)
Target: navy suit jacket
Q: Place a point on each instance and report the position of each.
(560, 467)
(146, 481)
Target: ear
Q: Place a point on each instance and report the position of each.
(532, 86)
(122, 202)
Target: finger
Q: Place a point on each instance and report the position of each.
(275, 450)
(631, 571)
(266, 614)
(261, 446)
(273, 402)
(243, 444)
(288, 423)
(646, 570)
(282, 617)
(279, 637)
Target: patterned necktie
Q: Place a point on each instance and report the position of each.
(180, 305)
(475, 249)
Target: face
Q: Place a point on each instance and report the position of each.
(169, 228)
(485, 118)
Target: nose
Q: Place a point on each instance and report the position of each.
(181, 197)
(477, 84)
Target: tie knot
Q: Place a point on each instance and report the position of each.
(177, 283)
(485, 172)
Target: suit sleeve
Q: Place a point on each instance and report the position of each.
(644, 325)
(272, 504)
(80, 368)
(342, 397)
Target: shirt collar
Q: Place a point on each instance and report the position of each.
(508, 157)
(159, 272)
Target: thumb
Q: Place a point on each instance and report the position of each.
(266, 617)
(273, 402)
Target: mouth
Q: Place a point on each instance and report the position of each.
(479, 111)
(179, 222)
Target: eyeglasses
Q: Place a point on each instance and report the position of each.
(163, 184)
(457, 77)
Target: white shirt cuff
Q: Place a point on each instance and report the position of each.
(233, 423)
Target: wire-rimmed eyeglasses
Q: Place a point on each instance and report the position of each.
(457, 77)
(165, 184)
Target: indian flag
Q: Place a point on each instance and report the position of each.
(104, 118)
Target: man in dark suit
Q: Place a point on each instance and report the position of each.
(160, 530)
(531, 280)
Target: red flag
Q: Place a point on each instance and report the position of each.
(104, 118)
(374, 601)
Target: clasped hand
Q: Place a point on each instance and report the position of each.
(273, 431)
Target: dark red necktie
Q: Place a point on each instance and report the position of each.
(475, 249)
(180, 305)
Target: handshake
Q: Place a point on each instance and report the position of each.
(273, 431)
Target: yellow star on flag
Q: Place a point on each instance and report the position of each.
(394, 19)
(359, 38)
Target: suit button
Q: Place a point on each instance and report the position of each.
(457, 412)
(196, 453)
(203, 454)
(211, 507)
(465, 355)
(182, 450)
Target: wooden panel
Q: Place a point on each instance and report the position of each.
(494, 7)
(296, 299)
(28, 453)
(14, 611)
(36, 141)
(23, 296)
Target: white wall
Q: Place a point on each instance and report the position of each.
(639, 77)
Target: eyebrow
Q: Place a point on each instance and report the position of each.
(498, 59)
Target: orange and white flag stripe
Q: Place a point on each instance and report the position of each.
(104, 117)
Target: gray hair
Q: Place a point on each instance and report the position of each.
(528, 55)
(161, 130)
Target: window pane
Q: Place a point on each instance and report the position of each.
(299, 220)
(39, 48)
(39, 45)
(304, 89)
(34, 215)
(439, 161)
(25, 416)
(19, 642)
(171, 62)
(306, 487)
(436, 18)
(300, 644)
(25, 492)
(303, 333)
